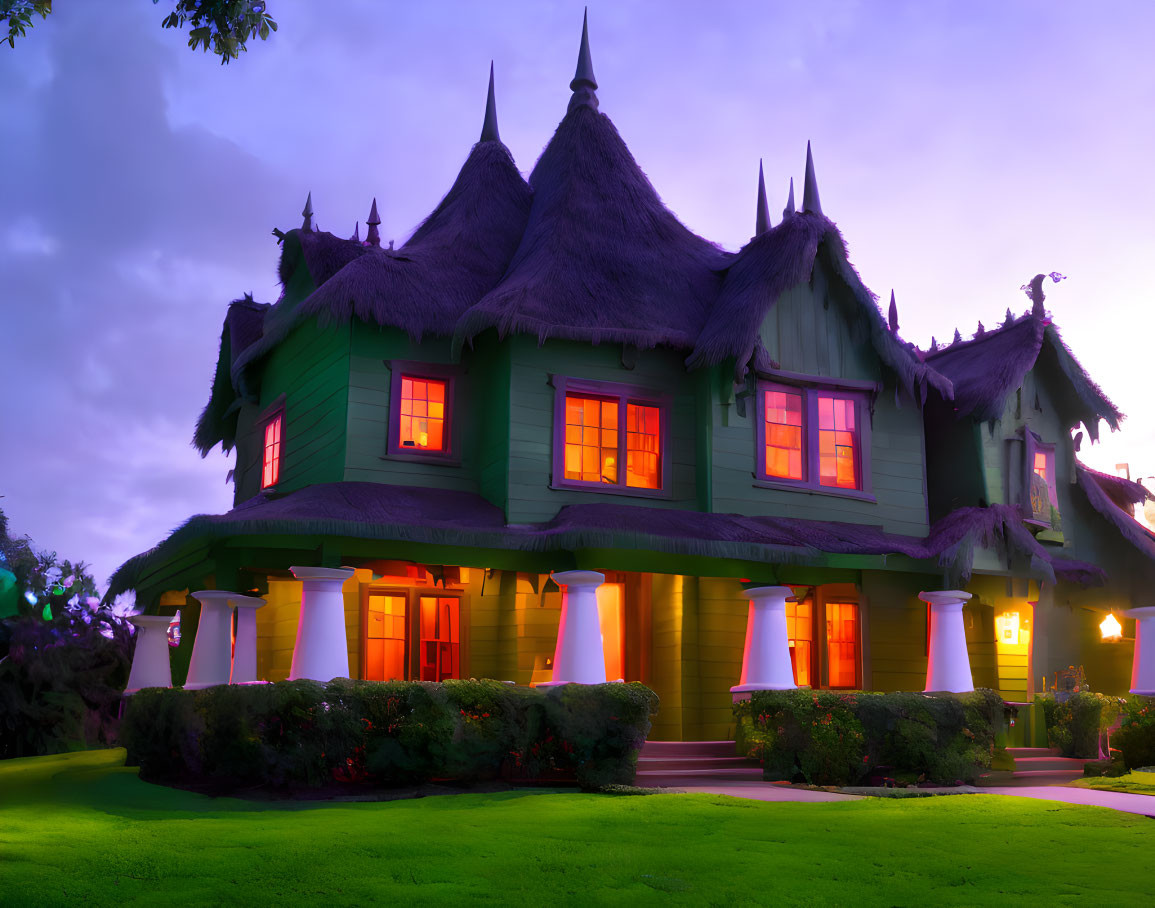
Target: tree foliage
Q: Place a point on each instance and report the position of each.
(39, 582)
(222, 26)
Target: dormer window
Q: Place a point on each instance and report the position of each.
(271, 459)
(421, 412)
(609, 437)
(813, 438)
(1042, 500)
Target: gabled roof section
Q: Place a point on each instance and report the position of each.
(771, 264)
(322, 253)
(602, 258)
(1113, 497)
(986, 370)
(218, 421)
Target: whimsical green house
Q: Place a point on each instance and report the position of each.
(557, 376)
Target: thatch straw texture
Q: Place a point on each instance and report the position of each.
(1106, 503)
(601, 259)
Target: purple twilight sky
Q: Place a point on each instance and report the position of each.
(961, 148)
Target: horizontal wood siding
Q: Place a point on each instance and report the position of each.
(896, 629)
(668, 669)
(367, 425)
(722, 612)
(531, 420)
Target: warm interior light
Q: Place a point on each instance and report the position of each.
(1007, 625)
(1110, 628)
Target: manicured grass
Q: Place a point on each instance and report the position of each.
(113, 840)
(1132, 782)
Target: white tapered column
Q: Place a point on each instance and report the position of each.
(245, 645)
(766, 658)
(1143, 665)
(150, 662)
(212, 654)
(579, 657)
(949, 665)
(321, 652)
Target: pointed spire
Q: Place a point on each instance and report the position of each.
(356, 237)
(1010, 320)
(762, 210)
(933, 344)
(892, 315)
(584, 84)
(489, 127)
(789, 209)
(957, 337)
(372, 237)
(307, 213)
(1037, 296)
(980, 331)
(810, 200)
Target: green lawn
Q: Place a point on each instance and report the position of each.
(1132, 782)
(106, 838)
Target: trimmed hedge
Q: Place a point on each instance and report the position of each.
(1136, 735)
(308, 734)
(831, 738)
(1074, 725)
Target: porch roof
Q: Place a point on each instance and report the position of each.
(366, 510)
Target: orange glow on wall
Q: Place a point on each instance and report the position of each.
(783, 434)
(422, 414)
(842, 644)
(591, 439)
(271, 462)
(385, 638)
(643, 448)
(837, 443)
(440, 638)
(611, 597)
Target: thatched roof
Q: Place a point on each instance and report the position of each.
(322, 254)
(601, 258)
(771, 264)
(986, 370)
(1105, 493)
(405, 514)
(218, 420)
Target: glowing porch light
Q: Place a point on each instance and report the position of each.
(1110, 628)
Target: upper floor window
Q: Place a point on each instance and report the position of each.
(610, 437)
(271, 458)
(815, 438)
(1041, 492)
(421, 412)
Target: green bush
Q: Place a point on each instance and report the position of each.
(1136, 736)
(828, 738)
(1073, 726)
(307, 734)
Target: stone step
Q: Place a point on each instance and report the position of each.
(674, 764)
(1017, 752)
(646, 779)
(1033, 764)
(1029, 777)
(688, 749)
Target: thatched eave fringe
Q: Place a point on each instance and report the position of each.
(1103, 496)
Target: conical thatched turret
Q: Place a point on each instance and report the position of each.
(373, 235)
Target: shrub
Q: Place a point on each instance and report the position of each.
(828, 738)
(61, 681)
(1136, 736)
(307, 734)
(1073, 726)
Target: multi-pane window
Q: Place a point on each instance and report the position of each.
(842, 644)
(410, 635)
(837, 652)
(812, 438)
(783, 416)
(440, 646)
(271, 459)
(611, 440)
(385, 637)
(800, 630)
(422, 414)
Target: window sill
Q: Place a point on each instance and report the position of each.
(855, 494)
(601, 489)
(444, 460)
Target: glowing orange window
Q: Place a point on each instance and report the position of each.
(842, 644)
(271, 462)
(800, 631)
(591, 439)
(1041, 465)
(385, 637)
(837, 442)
(422, 414)
(784, 435)
(440, 652)
(611, 599)
(643, 447)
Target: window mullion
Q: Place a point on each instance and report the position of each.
(623, 475)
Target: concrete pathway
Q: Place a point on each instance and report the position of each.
(1116, 800)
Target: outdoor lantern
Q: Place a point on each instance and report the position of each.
(1110, 628)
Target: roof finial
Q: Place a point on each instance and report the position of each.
(372, 237)
(584, 84)
(980, 331)
(1010, 320)
(933, 344)
(957, 337)
(1037, 296)
(892, 315)
(307, 213)
(789, 209)
(356, 237)
(762, 212)
(489, 127)
(810, 200)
